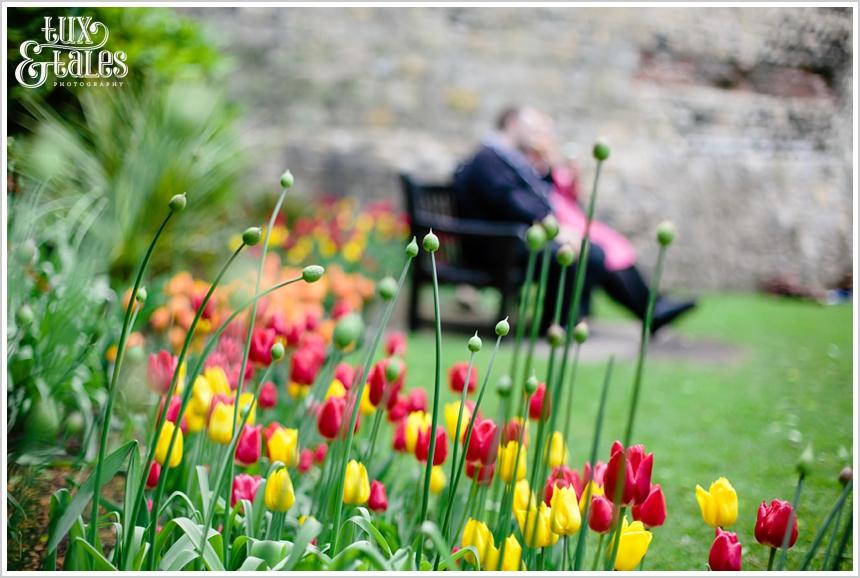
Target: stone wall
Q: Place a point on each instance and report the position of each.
(735, 123)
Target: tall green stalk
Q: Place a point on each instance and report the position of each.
(177, 203)
(340, 472)
(792, 517)
(595, 444)
(832, 515)
(520, 331)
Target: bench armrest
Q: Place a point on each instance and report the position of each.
(471, 227)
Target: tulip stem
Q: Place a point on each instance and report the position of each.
(458, 471)
(537, 312)
(456, 441)
(644, 338)
(505, 509)
(616, 539)
(598, 427)
(227, 465)
(792, 518)
(771, 558)
(520, 328)
(596, 553)
(831, 516)
(340, 471)
(564, 553)
(431, 453)
(120, 355)
(832, 541)
(843, 543)
(568, 417)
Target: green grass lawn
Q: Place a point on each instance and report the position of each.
(748, 420)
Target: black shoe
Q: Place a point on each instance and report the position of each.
(666, 311)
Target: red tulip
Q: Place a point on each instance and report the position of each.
(512, 432)
(378, 501)
(417, 400)
(600, 514)
(652, 512)
(268, 395)
(376, 382)
(596, 476)
(173, 410)
(422, 445)
(320, 453)
(248, 447)
(395, 344)
(306, 460)
(159, 373)
(331, 416)
(304, 365)
(152, 477)
(399, 409)
(771, 524)
(262, 341)
(312, 320)
(484, 443)
(340, 309)
(345, 374)
(536, 410)
(725, 553)
(482, 474)
(398, 443)
(270, 429)
(457, 377)
(244, 488)
(635, 466)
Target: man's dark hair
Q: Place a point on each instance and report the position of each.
(506, 116)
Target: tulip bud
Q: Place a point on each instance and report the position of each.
(279, 495)
(356, 488)
(312, 273)
(846, 475)
(348, 330)
(600, 151)
(393, 369)
(665, 233)
(287, 180)
(152, 477)
(474, 343)
(24, 316)
(503, 388)
(412, 248)
(535, 238)
(503, 327)
(431, 242)
(555, 335)
(565, 255)
(177, 203)
(141, 295)
(378, 501)
(537, 410)
(580, 332)
(531, 384)
(277, 351)
(725, 555)
(804, 464)
(387, 288)
(251, 236)
(550, 226)
(600, 515)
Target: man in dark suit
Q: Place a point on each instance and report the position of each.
(512, 177)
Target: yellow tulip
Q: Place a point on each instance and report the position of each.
(523, 496)
(195, 422)
(201, 396)
(335, 389)
(507, 455)
(356, 487)
(452, 410)
(365, 407)
(477, 535)
(538, 534)
(415, 422)
(297, 390)
(248, 404)
(352, 251)
(632, 546)
(557, 450)
(283, 446)
(180, 380)
(564, 511)
(279, 495)
(164, 443)
(220, 428)
(596, 490)
(719, 504)
(513, 556)
(438, 479)
(217, 380)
